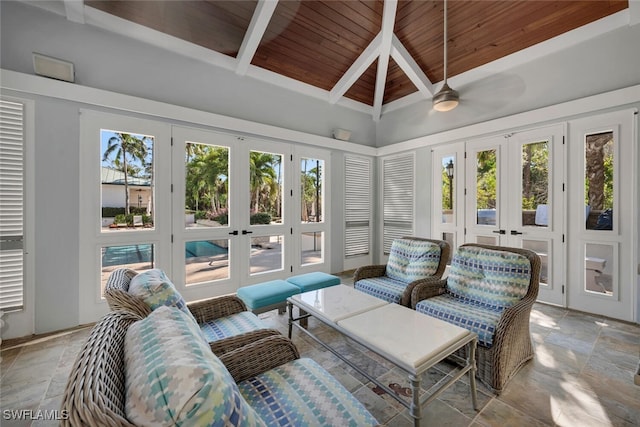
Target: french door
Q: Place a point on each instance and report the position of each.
(215, 211)
(514, 197)
(603, 225)
(244, 222)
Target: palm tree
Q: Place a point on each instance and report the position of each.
(262, 174)
(206, 173)
(126, 147)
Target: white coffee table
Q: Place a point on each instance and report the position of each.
(410, 340)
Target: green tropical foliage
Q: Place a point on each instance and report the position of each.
(311, 190)
(207, 183)
(264, 182)
(486, 179)
(535, 175)
(127, 152)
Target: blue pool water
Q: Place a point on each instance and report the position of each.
(133, 254)
(203, 248)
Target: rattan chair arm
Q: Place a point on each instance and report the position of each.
(260, 356)
(518, 314)
(215, 308)
(95, 392)
(226, 345)
(427, 288)
(369, 271)
(119, 299)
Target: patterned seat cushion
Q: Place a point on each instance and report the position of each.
(383, 287)
(156, 290)
(411, 260)
(301, 393)
(471, 315)
(173, 378)
(494, 278)
(230, 326)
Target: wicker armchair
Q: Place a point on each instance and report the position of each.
(264, 379)
(207, 312)
(95, 391)
(412, 261)
(500, 315)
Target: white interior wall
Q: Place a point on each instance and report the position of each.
(26, 29)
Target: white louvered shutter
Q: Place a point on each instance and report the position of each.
(397, 198)
(357, 206)
(11, 205)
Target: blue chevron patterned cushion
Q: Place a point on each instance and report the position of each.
(382, 287)
(230, 326)
(490, 277)
(301, 393)
(467, 314)
(411, 260)
(173, 378)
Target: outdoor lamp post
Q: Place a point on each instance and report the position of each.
(449, 169)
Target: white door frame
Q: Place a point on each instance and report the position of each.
(508, 229)
(621, 240)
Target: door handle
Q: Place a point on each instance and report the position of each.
(234, 233)
(515, 233)
(499, 231)
(247, 232)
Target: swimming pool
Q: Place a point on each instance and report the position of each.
(133, 254)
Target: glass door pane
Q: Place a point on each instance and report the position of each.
(535, 184)
(266, 242)
(127, 181)
(206, 204)
(486, 187)
(598, 179)
(311, 210)
(265, 192)
(311, 183)
(207, 185)
(448, 191)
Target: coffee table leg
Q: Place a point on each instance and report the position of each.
(416, 408)
(472, 373)
(290, 306)
(304, 321)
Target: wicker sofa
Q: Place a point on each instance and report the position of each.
(412, 261)
(160, 371)
(489, 290)
(224, 320)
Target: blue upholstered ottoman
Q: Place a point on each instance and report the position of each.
(267, 296)
(313, 281)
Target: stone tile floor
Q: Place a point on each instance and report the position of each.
(582, 375)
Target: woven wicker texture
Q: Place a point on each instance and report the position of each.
(207, 310)
(373, 271)
(512, 346)
(259, 356)
(95, 391)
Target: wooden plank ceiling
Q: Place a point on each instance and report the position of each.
(318, 42)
